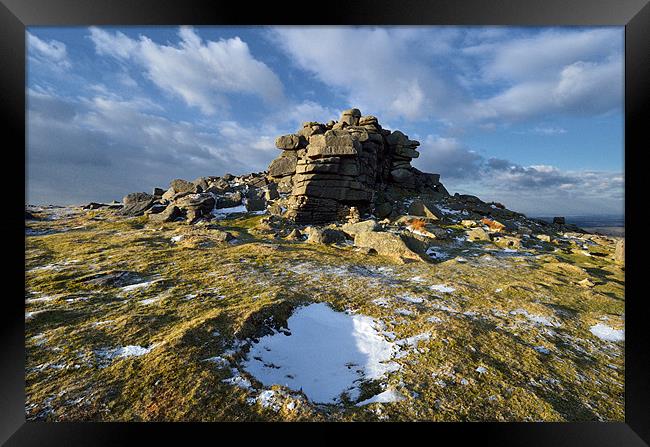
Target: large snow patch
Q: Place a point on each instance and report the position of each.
(326, 354)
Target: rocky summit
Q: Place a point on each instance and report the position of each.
(328, 168)
(341, 285)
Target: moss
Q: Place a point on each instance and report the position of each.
(205, 298)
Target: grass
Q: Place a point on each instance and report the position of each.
(206, 295)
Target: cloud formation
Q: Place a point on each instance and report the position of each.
(200, 73)
(101, 147)
(51, 53)
(399, 73)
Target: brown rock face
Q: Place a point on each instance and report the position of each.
(332, 167)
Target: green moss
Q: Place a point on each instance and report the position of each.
(207, 297)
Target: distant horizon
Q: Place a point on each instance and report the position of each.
(530, 117)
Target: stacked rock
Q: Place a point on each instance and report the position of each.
(328, 168)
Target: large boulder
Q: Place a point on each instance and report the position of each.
(282, 166)
(135, 204)
(196, 205)
(421, 208)
(352, 229)
(170, 214)
(290, 142)
(324, 236)
(387, 244)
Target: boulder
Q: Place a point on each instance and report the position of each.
(255, 204)
(135, 204)
(283, 166)
(289, 142)
(324, 236)
(158, 192)
(229, 200)
(478, 234)
(386, 244)
(619, 252)
(558, 220)
(420, 208)
(221, 236)
(180, 185)
(170, 214)
(352, 229)
(383, 210)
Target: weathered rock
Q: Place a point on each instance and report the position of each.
(619, 252)
(348, 163)
(559, 220)
(544, 237)
(386, 244)
(383, 210)
(180, 185)
(478, 234)
(294, 235)
(229, 200)
(196, 205)
(158, 192)
(504, 241)
(290, 142)
(351, 117)
(352, 229)
(324, 236)
(283, 166)
(222, 236)
(420, 208)
(170, 214)
(255, 204)
(135, 204)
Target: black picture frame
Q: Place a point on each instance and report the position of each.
(16, 15)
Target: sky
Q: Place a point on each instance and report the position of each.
(530, 117)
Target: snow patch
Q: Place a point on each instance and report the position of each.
(387, 396)
(442, 288)
(607, 333)
(327, 354)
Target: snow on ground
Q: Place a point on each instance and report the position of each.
(607, 333)
(225, 211)
(442, 288)
(538, 319)
(389, 395)
(140, 285)
(410, 298)
(238, 380)
(328, 353)
(124, 351)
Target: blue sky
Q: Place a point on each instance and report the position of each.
(530, 117)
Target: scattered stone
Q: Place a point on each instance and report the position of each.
(170, 214)
(352, 229)
(619, 252)
(324, 236)
(478, 234)
(386, 244)
(135, 204)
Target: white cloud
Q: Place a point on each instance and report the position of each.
(398, 72)
(376, 69)
(201, 73)
(103, 147)
(573, 72)
(52, 52)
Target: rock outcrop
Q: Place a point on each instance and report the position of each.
(329, 168)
